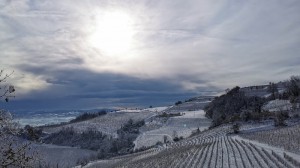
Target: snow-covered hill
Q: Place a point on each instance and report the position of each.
(108, 123)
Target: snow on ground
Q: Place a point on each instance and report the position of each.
(153, 109)
(180, 126)
(257, 126)
(129, 111)
(108, 123)
(277, 105)
(286, 137)
(158, 109)
(261, 91)
(187, 106)
(270, 148)
(193, 114)
(61, 156)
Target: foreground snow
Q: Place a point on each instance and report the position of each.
(158, 109)
(61, 156)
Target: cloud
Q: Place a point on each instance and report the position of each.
(179, 47)
(85, 89)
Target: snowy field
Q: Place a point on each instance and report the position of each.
(288, 138)
(108, 123)
(136, 110)
(62, 156)
(278, 105)
(211, 148)
(158, 109)
(181, 126)
(188, 106)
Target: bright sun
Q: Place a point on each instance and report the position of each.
(112, 33)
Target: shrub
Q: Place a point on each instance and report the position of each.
(235, 117)
(245, 115)
(236, 128)
(31, 133)
(280, 118)
(272, 88)
(296, 116)
(176, 139)
(164, 114)
(90, 139)
(195, 132)
(166, 139)
(177, 103)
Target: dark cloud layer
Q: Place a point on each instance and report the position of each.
(84, 89)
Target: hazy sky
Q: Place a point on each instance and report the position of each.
(97, 53)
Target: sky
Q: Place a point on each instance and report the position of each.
(77, 54)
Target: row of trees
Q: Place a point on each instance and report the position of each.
(235, 105)
(87, 116)
(292, 90)
(229, 106)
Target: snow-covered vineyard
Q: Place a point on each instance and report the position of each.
(107, 124)
(288, 138)
(212, 148)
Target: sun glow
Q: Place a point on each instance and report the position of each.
(112, 33)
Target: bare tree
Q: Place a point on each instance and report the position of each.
(175, 134)
(6, 90)
(280, 117)
(13, 152)
(272, 88)
(166, 139)
(236, 128)
(293, 90)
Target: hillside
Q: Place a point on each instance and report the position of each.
(212, 148)
(107, 124)
(110, 129)
(267, 119)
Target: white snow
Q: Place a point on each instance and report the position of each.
(277, 105)
(107, 124)
(270, 148)
(180, 125)
(158, 109)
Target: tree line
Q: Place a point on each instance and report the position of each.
(234, 105)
